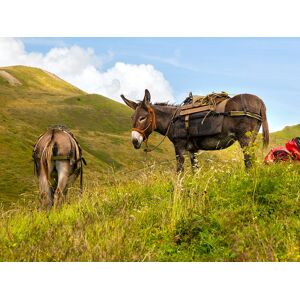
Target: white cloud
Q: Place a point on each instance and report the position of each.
(82, 68)
(132, 80)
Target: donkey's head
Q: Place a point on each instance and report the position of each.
(143, 119)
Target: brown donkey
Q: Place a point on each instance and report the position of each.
(58, 162)
(243, 114)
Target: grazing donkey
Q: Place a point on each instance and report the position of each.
(241, 115)
(58, 161)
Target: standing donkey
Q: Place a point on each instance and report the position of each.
(58, 162)
(243, 114)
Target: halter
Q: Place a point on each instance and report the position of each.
(151, 124)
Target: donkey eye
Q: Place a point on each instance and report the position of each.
(141, 119)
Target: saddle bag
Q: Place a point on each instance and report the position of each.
(198, 124)
(201, 116)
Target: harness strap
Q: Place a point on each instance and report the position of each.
(244, 113)
(186, 121)
(141, 131)
(65, 157)
(61, 157)
(152, 123)
(166, 134)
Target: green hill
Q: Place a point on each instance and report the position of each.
(25, 81)
(287, 133)
(134, 207)
(32, 99)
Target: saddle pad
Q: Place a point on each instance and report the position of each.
(200, 124)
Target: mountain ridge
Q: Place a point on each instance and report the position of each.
(37, 79)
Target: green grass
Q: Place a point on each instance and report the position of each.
(135, 208)
(35, 80)
(102, 127)
(287, 133)
(221, 213)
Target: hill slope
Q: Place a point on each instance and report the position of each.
(25, 81)
(287, 133)
(31, 99)
(40, 99)
(221, 213)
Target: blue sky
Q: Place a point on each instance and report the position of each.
(267, 67)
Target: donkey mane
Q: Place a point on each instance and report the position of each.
(166, 104)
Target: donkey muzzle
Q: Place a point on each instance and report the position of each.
(136, 139)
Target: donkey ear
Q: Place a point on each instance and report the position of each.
(147, 98)
(190, 95)
(130, 103)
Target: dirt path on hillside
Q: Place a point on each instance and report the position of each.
(9, 78)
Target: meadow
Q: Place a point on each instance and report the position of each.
(101, 125)
(220, 213)
(134, 206)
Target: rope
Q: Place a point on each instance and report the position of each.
(169, 126)
(237, 113)
(145, 168)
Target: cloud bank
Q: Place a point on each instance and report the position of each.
(82, 67)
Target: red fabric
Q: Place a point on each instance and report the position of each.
(291, 151)
(292, 147)
(278, 154)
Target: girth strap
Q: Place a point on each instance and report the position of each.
(64, 157)
(244, 113)
(60, 157)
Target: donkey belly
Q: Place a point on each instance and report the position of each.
(214, 142)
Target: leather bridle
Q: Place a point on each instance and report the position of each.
(152, 124)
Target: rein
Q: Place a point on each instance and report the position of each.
(155, 147)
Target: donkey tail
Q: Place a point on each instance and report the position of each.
(265, 125)
(47, 154)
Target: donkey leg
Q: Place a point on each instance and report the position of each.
(180, 159)
(62, 168)
(247, 142)
(193, 160)
(247, 151)
(46, 199)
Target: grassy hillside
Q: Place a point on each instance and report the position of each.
(40, 99)
(282, 136)
(221, 213)
(134, 208)
(33, 81)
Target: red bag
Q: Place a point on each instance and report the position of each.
(278, 154)
(293, 147)
(291, 151)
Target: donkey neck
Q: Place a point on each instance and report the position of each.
(163, 114)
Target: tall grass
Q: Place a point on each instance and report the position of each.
(220, 213)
